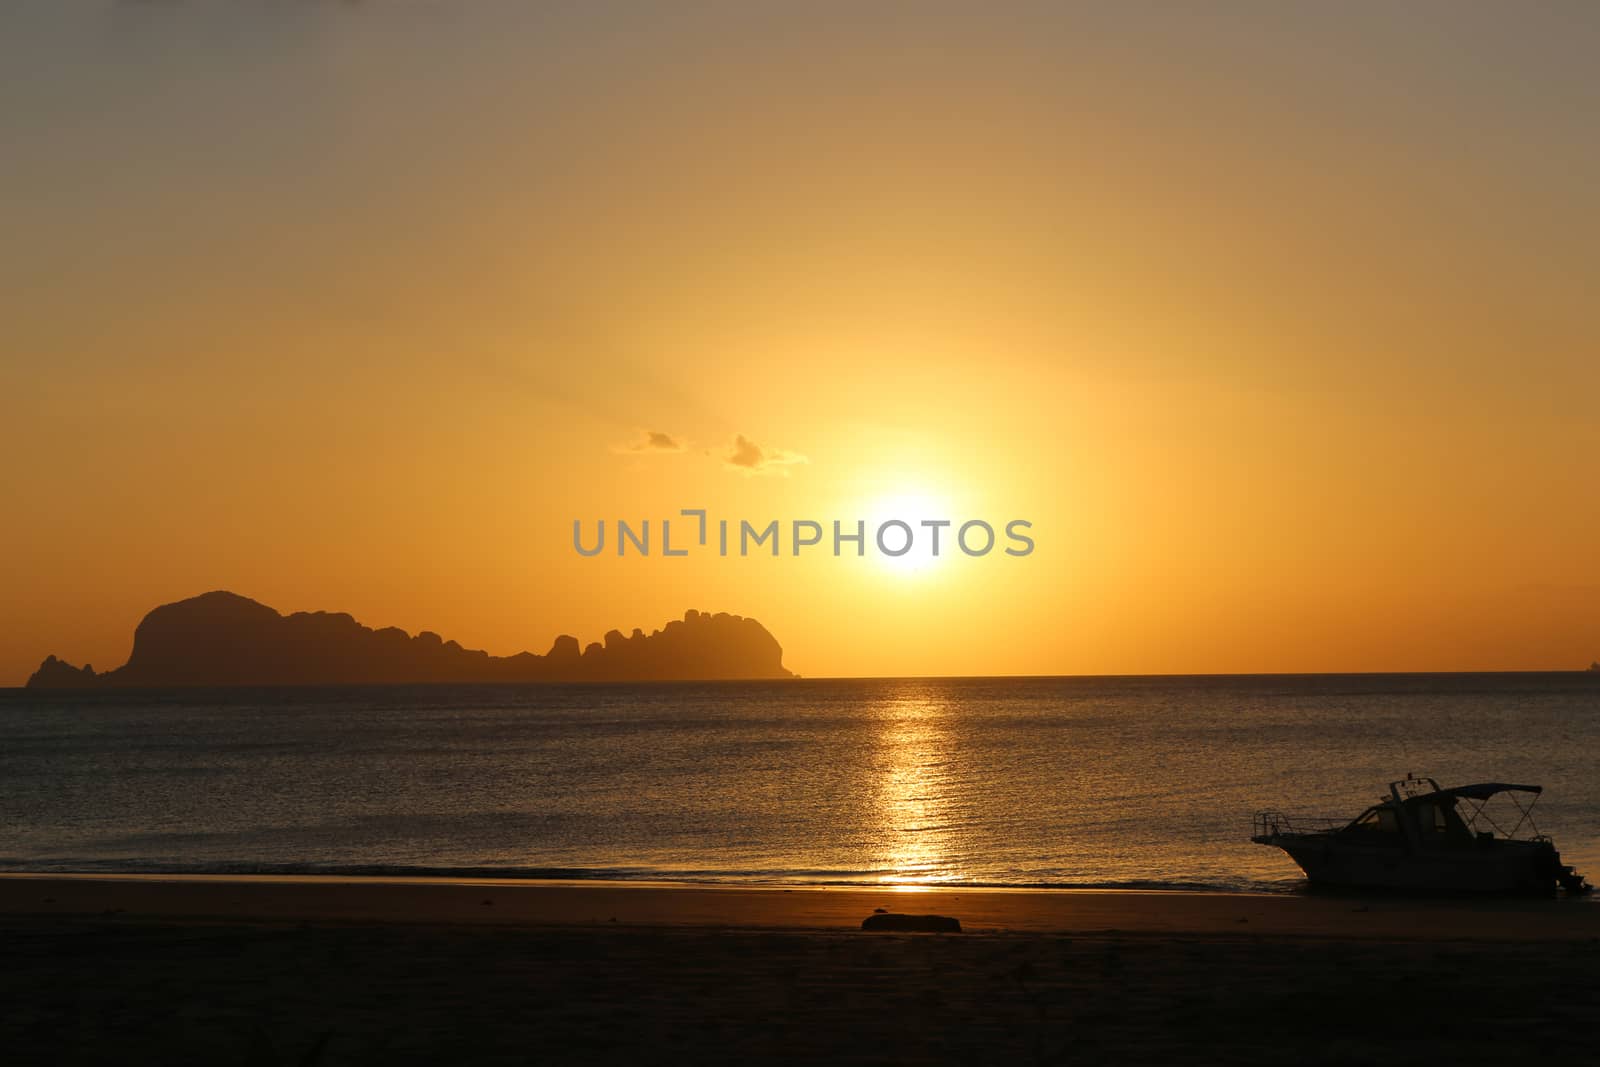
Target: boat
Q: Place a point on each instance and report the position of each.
(1427, 839)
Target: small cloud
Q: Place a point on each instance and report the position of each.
(650, 441)
(745, 455)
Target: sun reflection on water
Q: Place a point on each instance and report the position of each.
(913, 841)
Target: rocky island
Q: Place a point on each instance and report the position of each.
(223, 639)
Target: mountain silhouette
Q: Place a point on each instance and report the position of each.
(221, 638)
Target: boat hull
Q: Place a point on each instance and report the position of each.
(1500, 867)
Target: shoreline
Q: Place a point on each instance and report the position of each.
(479, 901)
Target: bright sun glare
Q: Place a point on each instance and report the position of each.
(911, 508)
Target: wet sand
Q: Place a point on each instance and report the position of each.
(362, 971)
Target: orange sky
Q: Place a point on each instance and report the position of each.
(1278, 325)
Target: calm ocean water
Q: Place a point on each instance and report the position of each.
(1146, 782)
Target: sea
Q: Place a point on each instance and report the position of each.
(1115, 782)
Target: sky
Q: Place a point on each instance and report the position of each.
(1275, 321)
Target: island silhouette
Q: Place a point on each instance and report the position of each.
(224, 639)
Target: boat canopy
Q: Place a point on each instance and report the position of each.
(1485, 790)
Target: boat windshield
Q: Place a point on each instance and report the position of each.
(1379, 820)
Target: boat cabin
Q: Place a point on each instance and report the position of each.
(1418, 814)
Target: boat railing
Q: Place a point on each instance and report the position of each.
(1272, 823)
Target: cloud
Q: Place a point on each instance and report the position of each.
(651, 441)
(745, 455)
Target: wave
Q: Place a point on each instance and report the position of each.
(778, 878)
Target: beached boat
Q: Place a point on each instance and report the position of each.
(1421, 837)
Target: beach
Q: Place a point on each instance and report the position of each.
(332, 971)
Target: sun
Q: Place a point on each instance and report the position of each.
(910, 532)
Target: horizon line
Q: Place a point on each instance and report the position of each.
(1582, 671)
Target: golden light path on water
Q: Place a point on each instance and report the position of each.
(914, 748)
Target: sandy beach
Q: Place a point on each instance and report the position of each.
(293, 970)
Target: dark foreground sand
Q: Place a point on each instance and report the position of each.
(330, 972)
